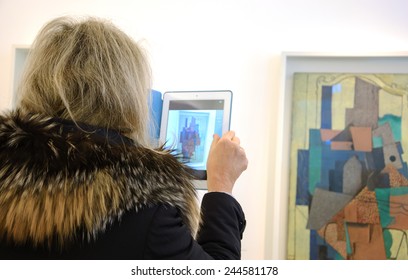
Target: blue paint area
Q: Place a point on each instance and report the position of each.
(336, 88)
(302, 182)
(326, 165)
(314, 248)
(336, 184)
(375, 159)
(332, 165)
(331, 253)
(320, 249)
(315, 157)
(404, 169)
(326, 112)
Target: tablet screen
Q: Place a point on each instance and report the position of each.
(190, 126)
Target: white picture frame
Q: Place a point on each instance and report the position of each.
(292, 62)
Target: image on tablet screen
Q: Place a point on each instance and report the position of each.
(190, 129)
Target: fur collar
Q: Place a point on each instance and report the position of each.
(56, 179)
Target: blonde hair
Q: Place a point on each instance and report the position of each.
(88, 71)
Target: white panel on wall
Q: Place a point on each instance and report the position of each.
(20, 56)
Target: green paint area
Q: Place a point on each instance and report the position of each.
(387, 243)
(348, 246)
(383, 201)
(395, 124)
(315, 159)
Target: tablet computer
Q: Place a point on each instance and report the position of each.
(189, 121)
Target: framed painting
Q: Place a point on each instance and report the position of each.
(348, 168)
(343, 172)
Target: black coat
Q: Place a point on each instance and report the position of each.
(90, 193)
(157, 232)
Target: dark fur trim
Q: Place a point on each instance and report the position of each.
(56, 179)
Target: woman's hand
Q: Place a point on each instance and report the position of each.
(226, 161)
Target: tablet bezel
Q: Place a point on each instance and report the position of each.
(169, 96)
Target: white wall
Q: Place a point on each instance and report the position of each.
(226, 44)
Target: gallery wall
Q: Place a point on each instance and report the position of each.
(226, 44)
